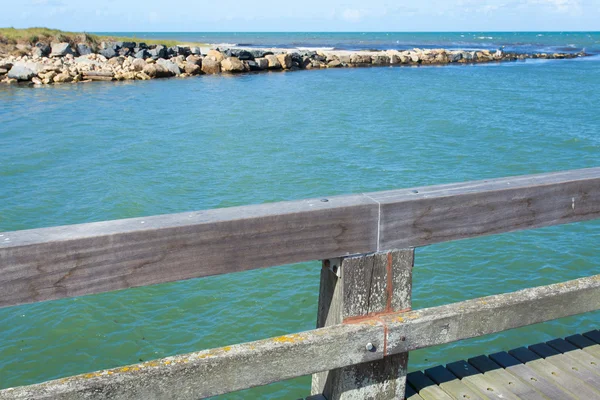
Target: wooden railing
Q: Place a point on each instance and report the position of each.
(365, 323)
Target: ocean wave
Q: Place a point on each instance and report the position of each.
(485, 37)
(224, 44)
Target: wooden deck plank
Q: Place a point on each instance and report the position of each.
(575, 353)
(564, 379)
(471, 377)
(567, 364)
(548, 387)
(411, 394)
(585, 344)
(505, 379)
(426, 388)
(452, 384)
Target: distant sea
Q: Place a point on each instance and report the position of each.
(521, 42)
(100, 151)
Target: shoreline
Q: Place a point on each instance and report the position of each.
(115, 61)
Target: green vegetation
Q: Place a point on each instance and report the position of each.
(12, 36)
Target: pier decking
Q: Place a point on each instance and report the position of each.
(365, 324)
(558, 369)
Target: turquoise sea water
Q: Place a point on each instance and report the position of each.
(521, 42)
(91, 152)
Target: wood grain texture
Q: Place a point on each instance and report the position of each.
(501, 377)
(460, 211)
(452, 385)
(425, 387)
(551, 372)
(369, 285)
(444, 324)
(216, 371)
(51, 263)
(547, 387)
(480, 383)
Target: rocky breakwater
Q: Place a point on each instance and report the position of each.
(64, 62)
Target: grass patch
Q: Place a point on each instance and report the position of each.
(46, 35)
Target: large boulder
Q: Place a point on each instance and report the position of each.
(138, 64)
(156, 71)
(210, 65)
(245, 55)
(142, 53)
(41, 50)
(192, 59)
(158, 52)
(196, 51)
(109, 52)
(285, 60)
(192, 69)
(360, 59)
(273, 61)
(252, 65)
(63, 77)
(21, 72)
(171, 66)
(380, 60)
(216, 54)
(127, 45)
(61, 49)
(261, 63)
(232, 64)
(83, 49)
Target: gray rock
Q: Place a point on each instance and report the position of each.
(253, 65)
(128, 45)
(262, 63)
(169, 65)
(3, 71)
(143, 54)
(125, 51)
(158, 52)
(21, 72)
(196, 51)
(83, 49)
(41, 49)
(260, 53)
(61, 50)
(245, 55)
(334, 64)
(108, 52)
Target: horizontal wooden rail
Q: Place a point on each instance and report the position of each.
(212, 372)
(51, 263)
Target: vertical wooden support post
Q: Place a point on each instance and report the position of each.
(361, 286)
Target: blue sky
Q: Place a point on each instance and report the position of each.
(303, 15)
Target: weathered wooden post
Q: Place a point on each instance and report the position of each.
(353, 288)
